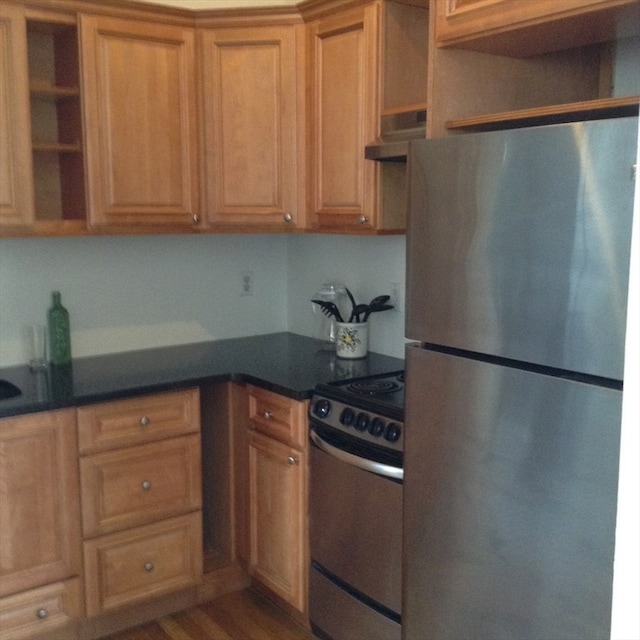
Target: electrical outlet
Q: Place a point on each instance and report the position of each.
(246, 283)
(395, 295)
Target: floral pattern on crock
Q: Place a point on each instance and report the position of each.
(349, 338)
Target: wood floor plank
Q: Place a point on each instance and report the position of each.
(242, 615)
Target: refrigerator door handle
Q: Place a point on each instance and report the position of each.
(384, 470)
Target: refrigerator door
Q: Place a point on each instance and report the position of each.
(518, 243)
(510, 501)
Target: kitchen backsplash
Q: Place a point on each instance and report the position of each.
(126, 293)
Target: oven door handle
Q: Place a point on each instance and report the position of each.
(385, 470)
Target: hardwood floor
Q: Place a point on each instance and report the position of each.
(243, 615)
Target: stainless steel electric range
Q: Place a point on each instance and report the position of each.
(355, 497)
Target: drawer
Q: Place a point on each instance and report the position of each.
(122, 423)
(137, 485)
(146, 562)
(278, 417)
(27, 614)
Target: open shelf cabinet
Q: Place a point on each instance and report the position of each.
(56, 123)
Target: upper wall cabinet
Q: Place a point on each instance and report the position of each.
(16, 185)
(42, 186)
(344, 111)
(365, 63)
(541, 25)
(254, 169)
(139, 85)
(511, 63)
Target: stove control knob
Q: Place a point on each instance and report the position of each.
(362, 422)
(392, 432)
(347, 417)
(376, 428)
(322, 408)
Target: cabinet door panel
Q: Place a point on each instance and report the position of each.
(146, 562)
(21, 615)
(277, 506)
(251, 124)
(136, 485)
(39, 500)
(139, 90)
(16, 173)
(345, 107)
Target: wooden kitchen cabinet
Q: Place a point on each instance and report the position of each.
(253, 127)
(139, 90)
(504, 63)
(514, 27)
(277, 488)
(141, 490)
(367, 67)
(344, 111)
(40, 543)
(16, 177)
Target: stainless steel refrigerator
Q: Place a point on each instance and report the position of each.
(517, 272)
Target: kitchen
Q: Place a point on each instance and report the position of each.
(168, 299)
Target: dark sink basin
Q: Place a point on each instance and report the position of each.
(8, 390)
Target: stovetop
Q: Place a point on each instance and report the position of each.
(383, 394)
(369, 410)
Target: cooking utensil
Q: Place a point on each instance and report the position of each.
(329, 309)
(357, 311)
(376, 308)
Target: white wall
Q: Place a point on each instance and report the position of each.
(127, 293)
(625, 618)
(137, 292)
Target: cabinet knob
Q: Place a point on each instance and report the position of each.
(146, 485)
(196, 218)
(363, 219)
(148, 566)
(292, 460)
(144, 421)
(287, 217)
(42, 613)
(267, 415)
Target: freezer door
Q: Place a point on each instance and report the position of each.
(518, 243)
(510, 499)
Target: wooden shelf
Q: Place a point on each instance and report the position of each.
(420, 106)
(51, 93)
(56, 147)
(554, 114)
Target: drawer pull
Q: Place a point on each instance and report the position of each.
(146, 485)
(42, 613)
(148, 566)
(144, 421)
(292, 460)
(267, 415)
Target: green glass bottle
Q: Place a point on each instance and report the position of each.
(59, 333)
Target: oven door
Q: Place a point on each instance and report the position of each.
(355, 542)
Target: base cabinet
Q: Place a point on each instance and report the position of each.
(40, 545)
(278, 478)
(140, 475)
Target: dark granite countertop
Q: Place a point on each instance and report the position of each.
(286, 363)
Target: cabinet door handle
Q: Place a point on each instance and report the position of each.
(148, 566)
(196, 218)
(363, 219)
(292, 460)
(267, 415)
(288, 217)
(144, 421)
(146, 485)
(42, 613)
